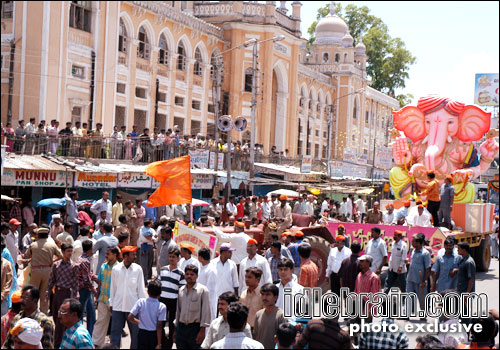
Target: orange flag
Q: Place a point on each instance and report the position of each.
(175, 178)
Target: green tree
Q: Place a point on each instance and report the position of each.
(388, 58)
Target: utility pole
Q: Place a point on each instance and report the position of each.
(331, 109)
(11, 80)
(218, 83)
(254, 115)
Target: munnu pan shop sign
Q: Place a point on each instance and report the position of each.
(37, 178)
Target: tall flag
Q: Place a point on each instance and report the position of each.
(175, 178)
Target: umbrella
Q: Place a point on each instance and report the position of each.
(288, 193)
(199, 203)
(53, 203)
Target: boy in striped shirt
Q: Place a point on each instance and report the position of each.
(172, 278)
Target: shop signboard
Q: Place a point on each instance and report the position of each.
(202, 181)
(199, 159)
(383, 159)
(134, 180)
(335, 168)
(37, 178)
(306, 166)
(95, 180)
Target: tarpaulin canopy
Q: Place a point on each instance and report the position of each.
(53, 203)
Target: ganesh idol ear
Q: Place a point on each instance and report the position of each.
(411, 121)
(473, 123)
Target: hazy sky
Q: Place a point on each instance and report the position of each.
(452, 41)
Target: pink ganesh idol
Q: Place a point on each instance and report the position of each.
(441, 132)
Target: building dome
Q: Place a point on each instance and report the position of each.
(331, 29)
(360, 48)
(347, 40)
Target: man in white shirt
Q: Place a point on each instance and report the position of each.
(187, 258)
(11, 237)
(127, 286)
(325, 206)
(343, 208)
(283, 213)
(397, 264)
(225, 272)
(103, 204)
(349, 206)
(238, 240)
(117, 210)
(254, 260)
(377, 249)
(389, 215)
(361, 207)
(231, 206)
(335, 258)
(266, 208)
(310, 205)
(237, 315)
(421, 219)
(285, 271)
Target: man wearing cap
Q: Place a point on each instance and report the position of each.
(447, 193)
(226, 271)
(9, 316)
(42, 253)
(27, 334)
(17, 213)
(103, 204)
(56, 226)
(127, 286)
(294, 251)
(283, 213)
(335, 258)
(341, 231)
(433, 196)
(402, 213)
(421, 219)
(29, 309)
(377, 249)
(72, 211)
(238, 240)
(116, 210)
(187, 256)
(397, 264)
(11, 237)
(388, 216)
(254, 260)
(367, 281)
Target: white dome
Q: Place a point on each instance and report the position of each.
(360, 48)
(331, 29)
(347, 40)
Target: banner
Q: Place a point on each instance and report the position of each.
(37, 178)
(383, 158)
(335, 168)
(196, 238)
(134, 180)
(96, 180)
(486, 89)
(220, 164)
(199, 159)
(202, 181)
(306, 165)
(353, 170)
(362, 234)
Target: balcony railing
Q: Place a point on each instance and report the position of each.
(122, 58)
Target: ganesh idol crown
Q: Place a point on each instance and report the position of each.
(442, 132)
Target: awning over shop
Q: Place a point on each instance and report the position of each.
(35, 171)
(290, 173)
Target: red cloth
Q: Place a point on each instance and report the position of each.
(240, 210)
(85, 219)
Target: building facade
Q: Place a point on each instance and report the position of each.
(149, 64)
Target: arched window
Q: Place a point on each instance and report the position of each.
(122, 38)
(181, 59)
(248, 79)
(144, 48)
(163, 53)
(345, 58)
(337, 57)
(198, 70)
(355, 110)
(325, 57)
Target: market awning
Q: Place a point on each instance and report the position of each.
(290, 173)
(29, 162)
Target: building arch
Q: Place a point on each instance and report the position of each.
(279, 106)
(129, 25)
(149, 31)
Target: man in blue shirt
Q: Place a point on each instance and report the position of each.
(76, 335)
(107, 241)
(442, 268)
(133, 135)
(419, 270)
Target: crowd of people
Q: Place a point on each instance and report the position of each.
(78, 140)
(119, 264)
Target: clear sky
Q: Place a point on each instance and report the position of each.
(452, 41)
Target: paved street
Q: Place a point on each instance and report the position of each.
(485, 283)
